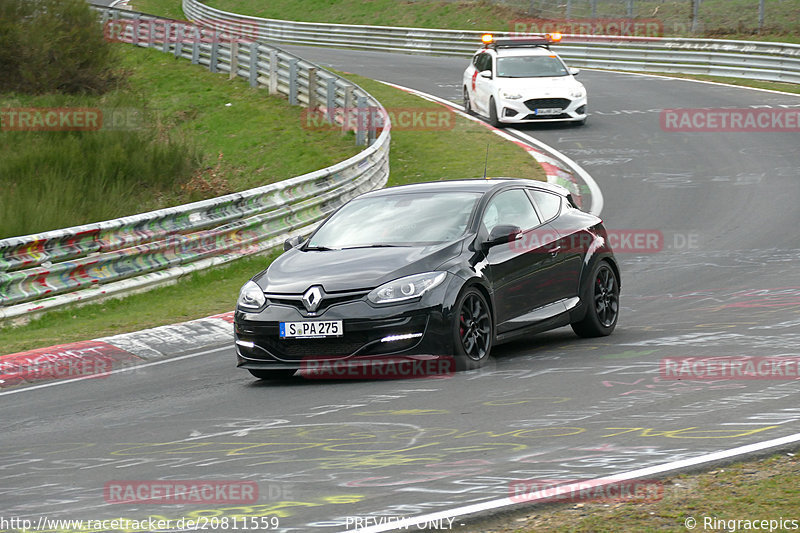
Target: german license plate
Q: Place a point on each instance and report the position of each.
(548, 111)
(320, 328)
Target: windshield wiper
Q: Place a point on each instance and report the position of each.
(372, 246)
(319, 248)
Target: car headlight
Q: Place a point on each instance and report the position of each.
(578, 92)
(511, 96)
(251, 296)
(406, 288)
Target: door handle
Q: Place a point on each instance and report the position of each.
(554, 251)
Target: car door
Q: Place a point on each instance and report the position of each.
(568, 252)
(483, 86)
(519, 271)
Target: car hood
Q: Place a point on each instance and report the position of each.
(539, 87)
(351, 269)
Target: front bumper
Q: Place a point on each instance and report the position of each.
(406, 329)
(525, 111)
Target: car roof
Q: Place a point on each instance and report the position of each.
(481, 185)
(521, 51)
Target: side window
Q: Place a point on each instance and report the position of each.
(510, 207)
(483, 62)
(549, 204)
(476, 60)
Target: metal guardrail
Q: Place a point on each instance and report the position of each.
(739, 59)
(55, 268)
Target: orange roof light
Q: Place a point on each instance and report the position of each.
(487, 38)
(554, 37)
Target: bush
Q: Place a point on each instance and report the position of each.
(51, 46)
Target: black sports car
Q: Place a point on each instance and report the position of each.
(446, 268)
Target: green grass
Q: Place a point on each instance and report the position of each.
(200, 135)
(415, 156)
(718, 18)
(752, 490)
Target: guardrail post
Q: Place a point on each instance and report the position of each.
(135, 29)
(212, 63)
(273, 71)
(234, 60)
(312, 88)
(361, 121)
(372, 126)
(330, 100)
(178, 49)
(167, 32)
(196, 46)
(630, 9)
(253, 64)
(293, 81)
(348, 108)
(150, 38)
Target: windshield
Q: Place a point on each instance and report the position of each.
(530, 67)
(397, 220)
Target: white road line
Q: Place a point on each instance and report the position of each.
(666, 77)
(594, 188)
(117, 371)
(641, 473)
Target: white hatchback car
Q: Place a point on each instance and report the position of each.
(515, 81)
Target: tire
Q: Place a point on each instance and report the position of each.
(601, 295)
(473, 331)
(493, 120)
(579, 123)
(272, 374)
(467, 104)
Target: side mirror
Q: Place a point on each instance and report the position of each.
(574, 71)
(294, 242)
(502, 234)
(486, 74)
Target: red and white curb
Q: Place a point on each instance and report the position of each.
(102, 357)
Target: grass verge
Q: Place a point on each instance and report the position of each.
(753, 490)
(416, 155)
(194, 135)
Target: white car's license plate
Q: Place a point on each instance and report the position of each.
(321, 328)
(549, 111)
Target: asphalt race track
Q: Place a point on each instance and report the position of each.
(725, 282)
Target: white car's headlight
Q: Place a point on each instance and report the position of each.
(251, 296)
(578, 92)
(406, 288)
(510, 96)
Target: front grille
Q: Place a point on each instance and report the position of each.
(296, 349)
(328, 300)
(545, 117)
(547, 103)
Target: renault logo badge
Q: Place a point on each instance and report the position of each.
(312, 298)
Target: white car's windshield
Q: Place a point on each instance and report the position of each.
(530, 67)
(397, 220)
